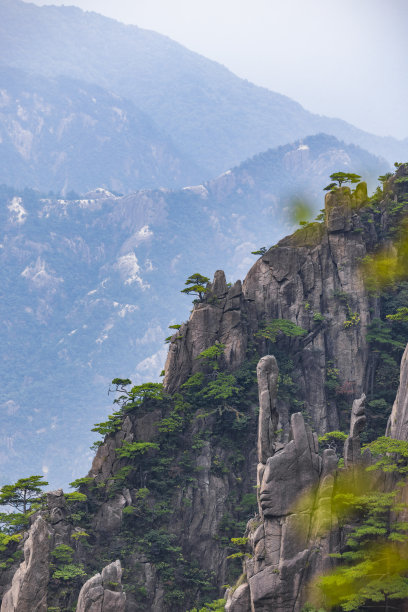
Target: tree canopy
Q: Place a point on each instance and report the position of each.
(271, 329)
(23, 493)
(345, 177)
(196, 285)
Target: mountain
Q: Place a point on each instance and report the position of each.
(83, 283)
(213, 117)
(218, 476)
(62, 135)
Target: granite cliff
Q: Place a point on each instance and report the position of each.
(173, 479)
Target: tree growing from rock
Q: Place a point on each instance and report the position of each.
(274, 327)
(343, 177)
(196, 285)
(21, 495)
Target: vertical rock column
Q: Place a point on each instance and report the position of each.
(267, 373)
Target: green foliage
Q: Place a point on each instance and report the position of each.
(393, 455)
(387, 339)
(352, 321)
(400, 315)
(196, 381)
(128, 401)
(271, 330)
(75, 496)
(121, 383)
(334, 440)
(196, 285)
(166, 467)
(239, 541)
(133, 449)
(212, 355)
(345, 177)
(260, 251)
(318, 317)
(140, 394)
(6, 539)
(218, 605)
(79, 482)
(374, 564)
(79, 535)
(110, 426)
(62, 554)
(221, 389)
(379, 335)
(23, 493)
(321, 217)
(69, 572)
(63, 558)
(384, 177)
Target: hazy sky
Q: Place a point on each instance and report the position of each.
(343, 58)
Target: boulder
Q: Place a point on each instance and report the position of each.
(103, 592)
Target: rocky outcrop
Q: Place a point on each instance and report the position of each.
(103, 592)
(267, 373)
(219, 318)
(297, 529)
(290, 540)
(398, 422)
(352, 446)
(28, 592)
(311, 278)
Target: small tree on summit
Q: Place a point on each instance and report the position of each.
(343, 177)
(196, 286)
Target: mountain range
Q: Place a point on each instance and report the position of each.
(83, 283)
(210, 116)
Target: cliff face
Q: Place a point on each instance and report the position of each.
(174, 479)
(311, 278)
(297, 529)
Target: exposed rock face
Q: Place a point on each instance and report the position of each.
(291, 540)
(315, 271)
(28, 592)
(352, 447)
(103, 592)
(398, 421)
(219, 318)
(267, 372)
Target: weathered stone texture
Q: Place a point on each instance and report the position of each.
(28, 592)
(316, 270)
(103, 592)
(398, 421)
(291, 540)
(267, 372)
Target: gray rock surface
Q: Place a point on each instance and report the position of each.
(267, 373)
(291, 540)
(28, 592)
(314, 271)
(398, 421)
(103, 592)
(240, 600)
(352, 446)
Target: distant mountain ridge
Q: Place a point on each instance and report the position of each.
(83, 283)
(213, 117)
(61, 134)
